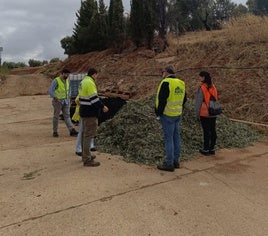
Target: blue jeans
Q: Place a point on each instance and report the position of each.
(171, 130)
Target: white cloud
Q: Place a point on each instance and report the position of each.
(32, 29)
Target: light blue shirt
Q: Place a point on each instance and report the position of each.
(51, 91)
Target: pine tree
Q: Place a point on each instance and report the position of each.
(137, 22)
(84, 33)
(149, 22)
(102, 27)
(161, 12)
(262, 7)
(116, 23)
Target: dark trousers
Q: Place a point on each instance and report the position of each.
(209, 132)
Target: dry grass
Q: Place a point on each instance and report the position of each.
(244, 29)
(248, 28)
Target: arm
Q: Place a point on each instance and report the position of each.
(184, 99)
(162, 97)
(52, 88)
(198, 102)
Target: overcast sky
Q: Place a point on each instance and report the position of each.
(32, 29)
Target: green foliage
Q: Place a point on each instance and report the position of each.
(240, 10)
(222, 9)
(103, 26)
(97, 29)
(53, 60)
(161, 16)
(13, 65)
(262, 5)
(143, 22)
(84, 32)
(67, 44)
(3, 71)
(136, 22)
(90, 32)
(135, 134)
(149, 22)
(116, 23)
(35, 63)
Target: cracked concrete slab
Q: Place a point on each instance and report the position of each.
(45, 190)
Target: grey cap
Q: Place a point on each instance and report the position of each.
(170, 69)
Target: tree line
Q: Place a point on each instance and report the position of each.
(31, 62)
(99, 27)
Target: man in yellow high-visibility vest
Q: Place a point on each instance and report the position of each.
(90, 107)
(169, 103)
(59, 91)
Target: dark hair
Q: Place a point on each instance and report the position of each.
(207, 78)
(92, 71)
(65, 71)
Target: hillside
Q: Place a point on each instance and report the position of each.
(236, 57)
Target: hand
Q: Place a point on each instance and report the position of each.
(56, 99)
(105, 109)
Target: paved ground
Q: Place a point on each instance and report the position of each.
(45, 190)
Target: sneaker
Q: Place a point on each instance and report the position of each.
(91, 163)
(55, 134)
(212, 152)
(93, 149)
(204, 152)
(165, 167)
(73, 133)
(177, 165)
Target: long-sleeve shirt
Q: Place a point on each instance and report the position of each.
(51, 91)
(163, 96)
(198, 101)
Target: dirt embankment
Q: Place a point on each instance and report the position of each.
(22, 85)
(240, 73)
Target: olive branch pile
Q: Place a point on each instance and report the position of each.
(136, 134)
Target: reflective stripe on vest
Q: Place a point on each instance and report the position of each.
(88, 92)
(175, 98)
(207, 92)
(62, 90)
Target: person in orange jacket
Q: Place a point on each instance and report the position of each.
(208, 122)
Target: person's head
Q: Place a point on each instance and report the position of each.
(65, 73)
(205, 78)
(92, 72)
(168, 70)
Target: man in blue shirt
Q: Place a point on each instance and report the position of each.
(59, 91)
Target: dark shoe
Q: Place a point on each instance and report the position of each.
(55, 134)
(177, 165)
(91, 163)
(165, 167)
(212, 152)
(93, 149)
(204, 152)
(73, 133)
(80, 154)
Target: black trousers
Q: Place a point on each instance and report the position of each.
(209, 132)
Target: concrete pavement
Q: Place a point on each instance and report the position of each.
(45, 190)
